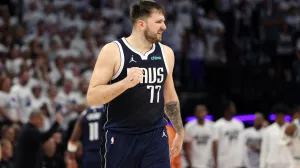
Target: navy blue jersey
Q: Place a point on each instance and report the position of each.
(92, 129)
(141, 108)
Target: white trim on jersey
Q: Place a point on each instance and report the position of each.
(105, 137)
(163, 54)
(143, 56)
(84, 112)
(105, 149)
(121, 61)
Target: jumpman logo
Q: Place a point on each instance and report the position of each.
(164, 134)
(132, 60)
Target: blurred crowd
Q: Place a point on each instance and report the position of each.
(247, 50)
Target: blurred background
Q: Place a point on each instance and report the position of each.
(244, 50)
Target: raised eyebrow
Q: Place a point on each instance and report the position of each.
(161, 20)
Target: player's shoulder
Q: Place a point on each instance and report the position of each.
(249, 130)
(190, 124)
(168, 50)
(209, 122)
(271, 127)
(110, 50)
(110, 47)
(239, 124)
(220, 121)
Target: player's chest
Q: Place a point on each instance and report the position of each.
(230, 131)
(152, 60)
(153, 72)
(201, 135)
(254, 134)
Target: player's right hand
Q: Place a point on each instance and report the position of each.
(134, 76)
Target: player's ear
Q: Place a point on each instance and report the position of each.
(141, 24)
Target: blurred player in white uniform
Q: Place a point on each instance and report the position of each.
(293, 137)
(274, 152)
(228, 147)
(252, 140)
(198, 140)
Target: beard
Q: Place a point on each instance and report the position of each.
(152, 37)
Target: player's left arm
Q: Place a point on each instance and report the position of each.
(75, 137)
(172, 107)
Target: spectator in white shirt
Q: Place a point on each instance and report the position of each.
(70, 102)
(227, 146)
(198, 140)
(50, 16)
(22, 93)
(33, 15)
(274, 152)
(8, 104)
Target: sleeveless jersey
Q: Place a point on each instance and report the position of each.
(140, 108)
(92, 128)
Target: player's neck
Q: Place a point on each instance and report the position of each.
(201, 121)
(228, 118)
(257, 127)
(280, 123)
(139, 42)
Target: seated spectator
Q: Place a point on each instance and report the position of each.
(7, 154)
(51, 160)
(29, 144)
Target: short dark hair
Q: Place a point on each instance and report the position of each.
(226, 104)
(280, 108)
(143, 9)
(197, 106)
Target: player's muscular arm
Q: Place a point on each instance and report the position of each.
(100, 92)
(77, 131)
(173, 113)
(172, 108)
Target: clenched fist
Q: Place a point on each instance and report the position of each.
(134, 76)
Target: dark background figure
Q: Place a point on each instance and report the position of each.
(29, 145)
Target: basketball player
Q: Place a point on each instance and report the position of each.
(252, 138)
(293, 137)
(198, 140)
(88, 128)
(274, 152)
(133, 78)
(228, 147)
